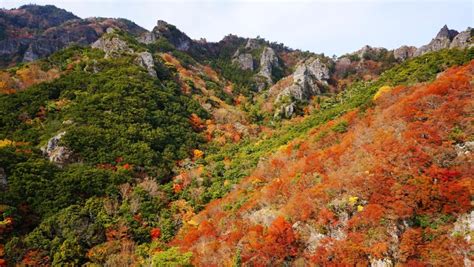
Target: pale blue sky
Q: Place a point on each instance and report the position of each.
(330, 27)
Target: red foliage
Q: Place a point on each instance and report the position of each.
(155, 233)
(273, 246)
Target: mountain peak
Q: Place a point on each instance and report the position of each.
(445, 32)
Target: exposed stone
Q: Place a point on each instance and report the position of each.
(441, 41)
(176, 37)
(404, 52)
(268, 61)
(369, 51)
(462, 40)
(145, 59)
(112, 45)
(245, 61)
(464, 148)
(252, 44)
(464, 226)
(309, 79)
(60, 155)
(381, 263)
(147, 38)
(264, 216)
(310, 236)
(3, 178)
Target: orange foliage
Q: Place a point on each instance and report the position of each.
(398, 158)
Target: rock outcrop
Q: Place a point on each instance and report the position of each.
(309, 79)
(145, 59)
(268, 62)
(404, 52)
(244, 60)
(442, 40)
(32, 32)
(112, 45)
(56, 153)
(176, 37)
(463, 39)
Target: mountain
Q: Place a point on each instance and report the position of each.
(31, 32)
(121, 146)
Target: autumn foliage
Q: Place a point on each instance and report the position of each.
(388, 187)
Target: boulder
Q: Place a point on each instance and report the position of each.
(56, 153)
(145, 59)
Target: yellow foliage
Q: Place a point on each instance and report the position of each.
(382, 90)
(193, 222)
(353, 200)
(360, 208)
(6, 142)
(198, 153)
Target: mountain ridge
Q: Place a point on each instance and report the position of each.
(122, 147)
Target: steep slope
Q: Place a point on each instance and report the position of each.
(32, 32)
(113, 138)
(388, 184)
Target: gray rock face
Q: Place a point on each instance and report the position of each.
(165, 30)
(147, 38)
(252, 44)
(442, 40)
(245, 61)
(113, 46)
(3, 178)
(462, 40)
(309, 79)
(60, 155)
(367, 51)
(145, 59)
(404, 52)
(268, 61)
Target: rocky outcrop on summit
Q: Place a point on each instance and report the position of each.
(176, 37)
(404, 52)
(112, 45)
(463, 39)
(268, 61)
(442, 40)
(33, 32)
(309, 79)
(368, 52)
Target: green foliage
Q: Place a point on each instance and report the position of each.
(341, 127)
(172, 258)
(67, 234)
(242, 79)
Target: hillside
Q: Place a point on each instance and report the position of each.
(121, 146)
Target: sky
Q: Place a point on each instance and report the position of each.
(321, 26)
